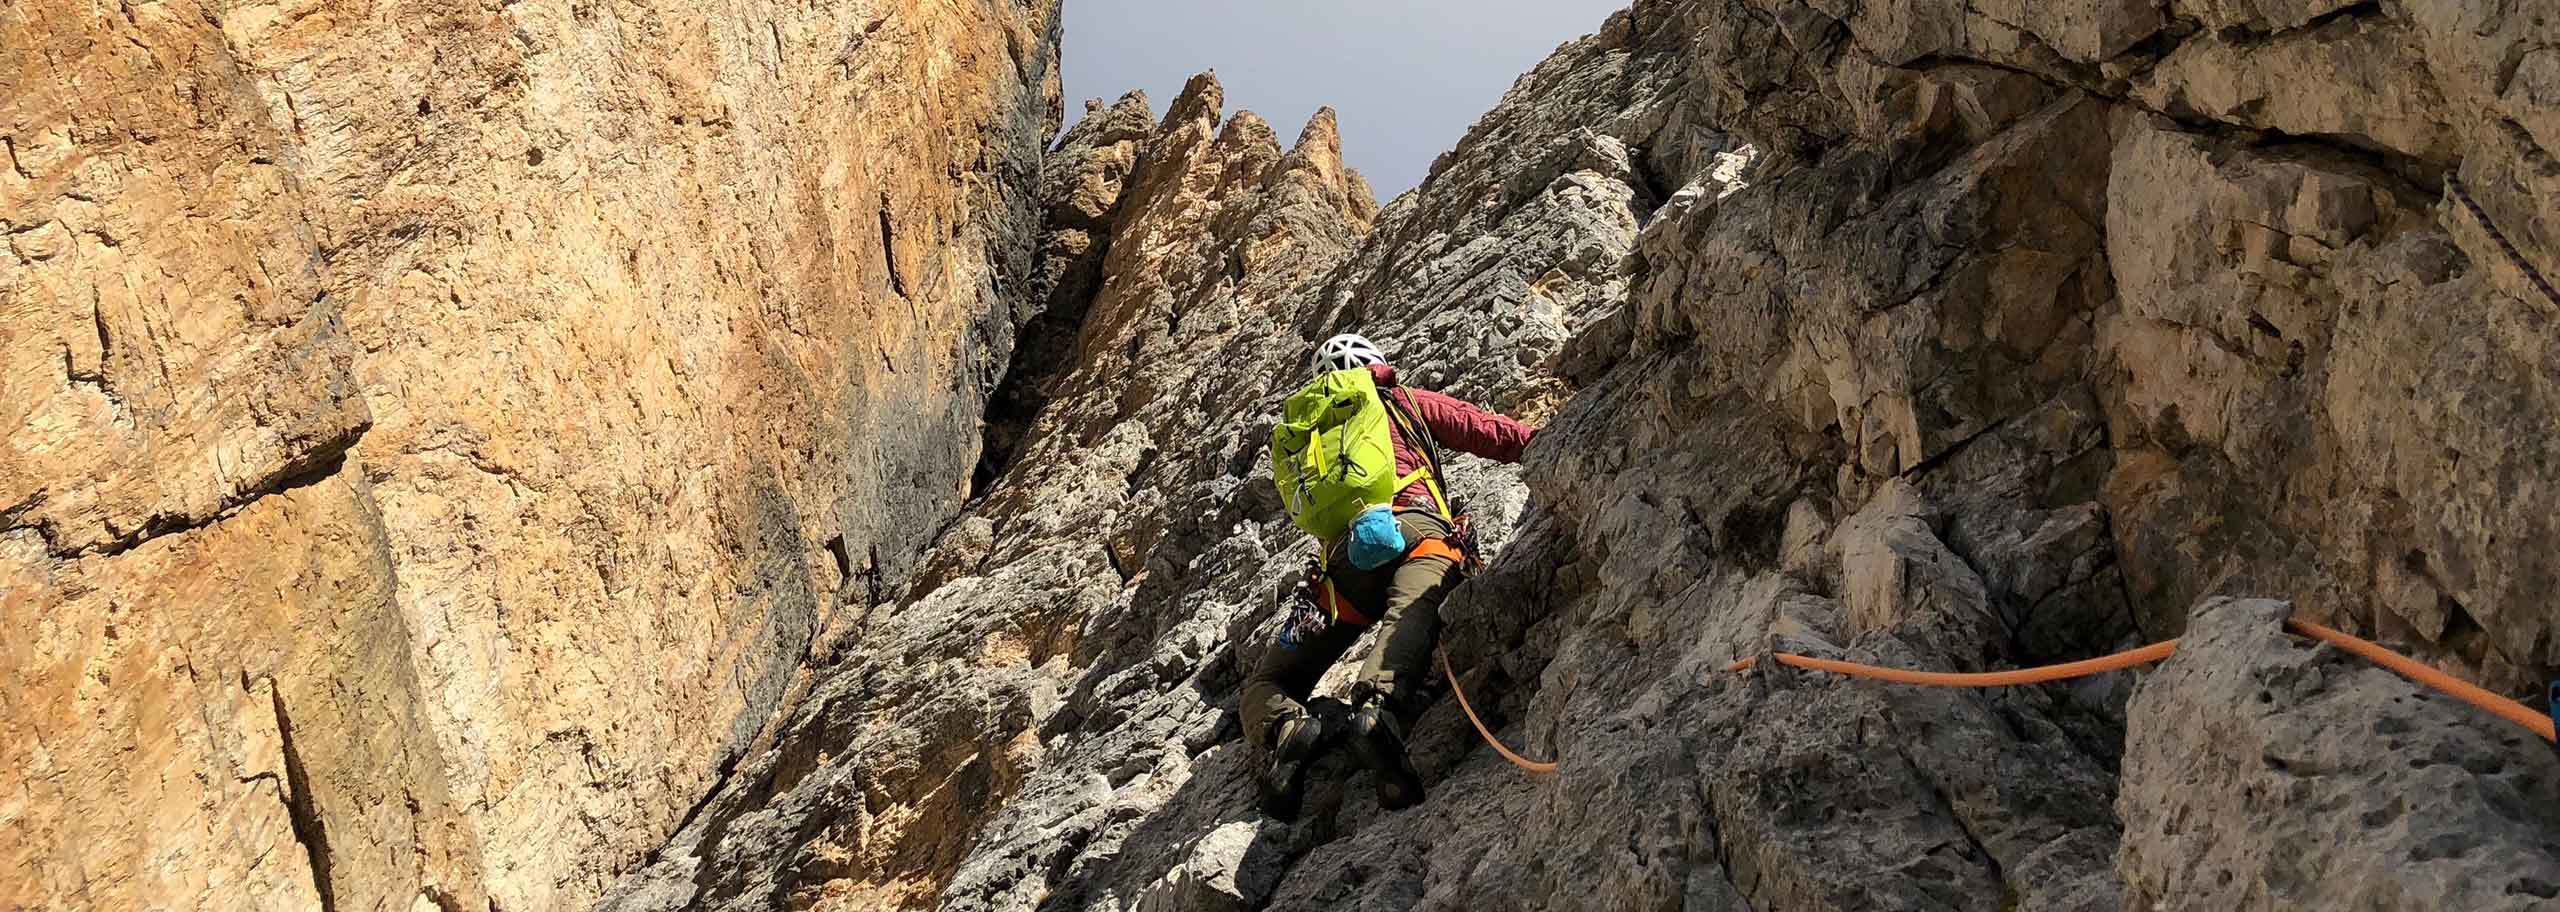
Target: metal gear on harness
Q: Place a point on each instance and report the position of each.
(1305, 620)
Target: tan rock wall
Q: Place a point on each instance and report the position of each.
(502, 394)
(924, 728)
(207, 719)
(2330, 379)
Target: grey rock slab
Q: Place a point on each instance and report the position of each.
(2267, 771)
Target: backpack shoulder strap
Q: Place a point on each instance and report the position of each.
(1401, 412)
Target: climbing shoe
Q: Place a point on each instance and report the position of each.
(1284, 777)
(1378, 739)
(1297, 738)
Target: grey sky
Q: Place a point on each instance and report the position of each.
(1406, 76)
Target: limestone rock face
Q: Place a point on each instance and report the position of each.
(576, 492)
(2450, 809)
(1936, 335)
(936, 716)
(436, 431)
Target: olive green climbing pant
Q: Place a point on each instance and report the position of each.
(1403, 595)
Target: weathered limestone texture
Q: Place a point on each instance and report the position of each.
(1939, 335)
(436, 430)
(545, 456)
(933, 709)
(2446, 806)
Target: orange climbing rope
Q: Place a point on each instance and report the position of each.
(2454, 687)
(1525, 763)
(2083, 668)
(2465, 691)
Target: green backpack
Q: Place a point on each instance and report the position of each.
(1332, 455)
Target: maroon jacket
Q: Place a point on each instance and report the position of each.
(1454, 424)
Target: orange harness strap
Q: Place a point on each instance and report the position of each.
(1438, 547)
(1340, 608)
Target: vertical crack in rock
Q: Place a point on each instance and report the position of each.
(96, 377)
(309, 830)
(843, 559)
(1081, 183)
(889, 250)
(873, 585)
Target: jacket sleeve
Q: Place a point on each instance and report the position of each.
(1463, 427)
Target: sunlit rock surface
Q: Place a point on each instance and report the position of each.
(612, 475)
(437, 430)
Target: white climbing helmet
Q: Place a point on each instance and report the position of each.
(1345, 352)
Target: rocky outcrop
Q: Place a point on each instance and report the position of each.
(2024, 328)
(436, 431)
(2453, 811)
(1080, 188)
(1939, 335)
(935, 716)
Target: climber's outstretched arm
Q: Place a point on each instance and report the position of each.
(1456, 423)
(1459, 425)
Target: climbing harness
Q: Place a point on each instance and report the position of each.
(2540, 723)
(1333, 606)
(2500, 237)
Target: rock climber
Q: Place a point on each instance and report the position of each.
(1389, 549)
